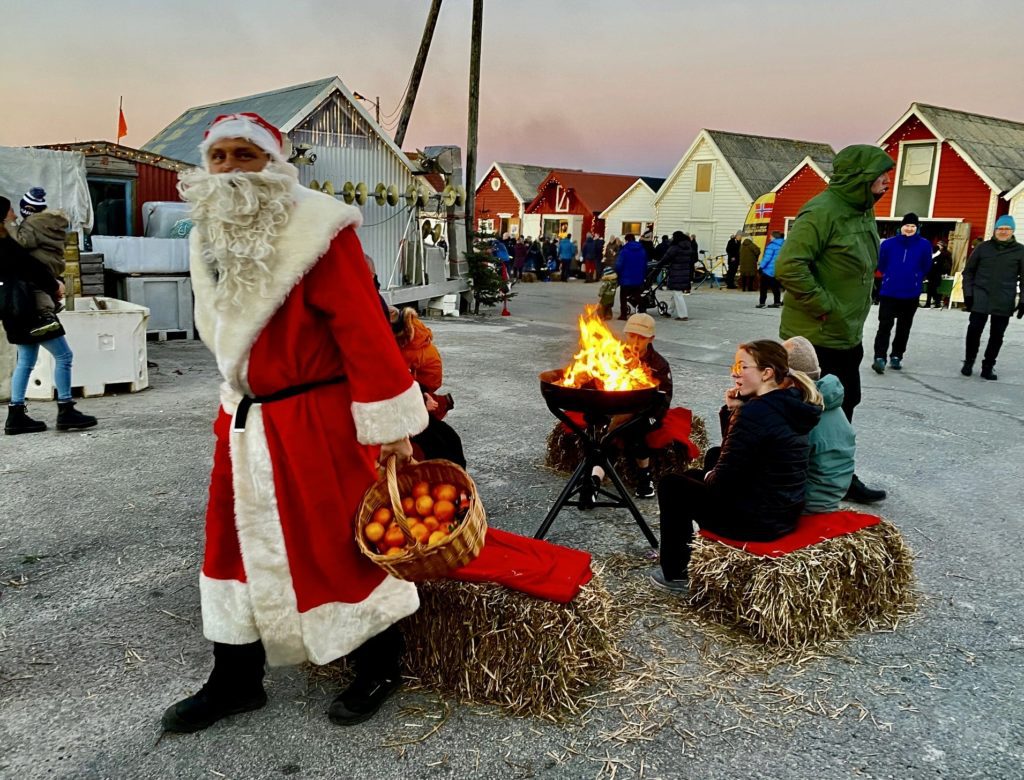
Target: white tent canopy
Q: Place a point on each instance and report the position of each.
(61, 174)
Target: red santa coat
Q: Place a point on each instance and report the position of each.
(281, 563)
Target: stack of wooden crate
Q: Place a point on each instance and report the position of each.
(90, 269)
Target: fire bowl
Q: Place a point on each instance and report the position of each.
(606, 402)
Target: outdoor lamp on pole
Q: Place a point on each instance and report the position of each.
(375, 103)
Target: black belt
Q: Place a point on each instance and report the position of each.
(242, 413)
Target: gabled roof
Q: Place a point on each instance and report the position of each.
(760, 162)
(993, 147)
(284, 108)
(649, 182)
(596, 190)
(106, 148)
(524, 180)
(823, 169)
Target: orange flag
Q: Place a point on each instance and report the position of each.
(122, 125)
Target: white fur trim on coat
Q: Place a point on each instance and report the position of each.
(381, 422)
(265, 607)
(315, 221)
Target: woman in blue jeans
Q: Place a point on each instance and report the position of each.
(19, 274)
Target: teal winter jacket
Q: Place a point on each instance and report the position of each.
(833, 444)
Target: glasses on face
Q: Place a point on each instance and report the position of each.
(739, 367)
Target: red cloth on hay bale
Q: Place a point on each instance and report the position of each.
(532, 566)
(675, 426)
(810, 530)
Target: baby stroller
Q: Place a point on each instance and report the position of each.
(654, 281)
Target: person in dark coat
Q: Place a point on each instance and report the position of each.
(631, 267)
(661, 249)
(753, 486)
(993, 272)
(519, 257)
(732, 254)
(942, 265)
(749, 253)
(19, 273)
(679, 259)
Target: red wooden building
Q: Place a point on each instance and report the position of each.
(572, 201)
(952, 168)
(502, 196)
(120, 180)
(807, 179)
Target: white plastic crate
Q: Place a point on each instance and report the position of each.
(109, 346)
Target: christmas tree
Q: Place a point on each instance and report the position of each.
(486, 274)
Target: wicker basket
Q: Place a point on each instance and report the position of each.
(423, 562)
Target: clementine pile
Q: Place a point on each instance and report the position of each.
(432, 513)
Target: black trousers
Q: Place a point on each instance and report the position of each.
(770, 283)
(380, 655)
(730, 273)
(747, 282)
(630, 293)
(844, 364)
(933, 292)
(975, 327)
(894, 310)
(684, 499)
(440, 440)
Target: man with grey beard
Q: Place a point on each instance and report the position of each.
(315, 390)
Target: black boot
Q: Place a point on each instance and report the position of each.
(987, 372)
(862, 494)
(967, 368)
(378, 670)
(644, 485)
(69, 418)
(588, 491)
(18, 421)
(235, 685)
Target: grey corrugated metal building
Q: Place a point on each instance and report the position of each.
(349, 146)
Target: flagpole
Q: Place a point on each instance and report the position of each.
(120, 113)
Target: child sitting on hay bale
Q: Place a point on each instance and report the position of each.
(833, 440)
(754, 486)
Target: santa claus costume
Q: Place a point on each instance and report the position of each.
(312, 380)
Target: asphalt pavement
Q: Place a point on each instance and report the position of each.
(101, 539)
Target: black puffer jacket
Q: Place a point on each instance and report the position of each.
(679, 258)
(762, 470)
(991, 276)
(17, 265)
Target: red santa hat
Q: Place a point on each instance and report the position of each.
(252, 127)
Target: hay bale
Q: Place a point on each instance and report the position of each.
(564, 454)
(529, 276)
(484, 644)
(862, 581)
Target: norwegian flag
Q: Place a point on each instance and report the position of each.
(763, 210)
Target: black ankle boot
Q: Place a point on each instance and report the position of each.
(235, 685)
(18, 421)
(644, 485)
(69, 418)
(378, 666)
(987, 372)
(967, 368)
(862, 494)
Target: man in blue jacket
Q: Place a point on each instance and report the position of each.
(566, 254)
(631, 268)
(767, 269)
(903, 261)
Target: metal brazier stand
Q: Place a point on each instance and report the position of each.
(598, 407)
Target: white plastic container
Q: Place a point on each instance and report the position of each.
(109, 346)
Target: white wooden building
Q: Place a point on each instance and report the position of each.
(633, 210)
(1016, 210)
(348, 146)
(714, 184)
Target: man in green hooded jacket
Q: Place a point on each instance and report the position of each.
(827, 267)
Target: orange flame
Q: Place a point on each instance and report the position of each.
(603, 361)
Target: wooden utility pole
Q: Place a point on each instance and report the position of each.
(474, 118)
(417, 72)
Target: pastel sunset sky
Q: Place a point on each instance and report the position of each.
(601, 85)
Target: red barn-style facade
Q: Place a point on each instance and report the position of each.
(572, 201)
(807, 179)
(503, 195)
(952, 169)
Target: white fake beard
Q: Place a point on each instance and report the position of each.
(240, 217)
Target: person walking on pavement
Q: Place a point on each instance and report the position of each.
(767, 269)
(826, 267)
(732, 254)
(591, 258)
(991, 278)
(749, 252)
(679, 260)
(314, 391)
(631, 267)
(904, 261)
(566, 254)
(942, 265)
